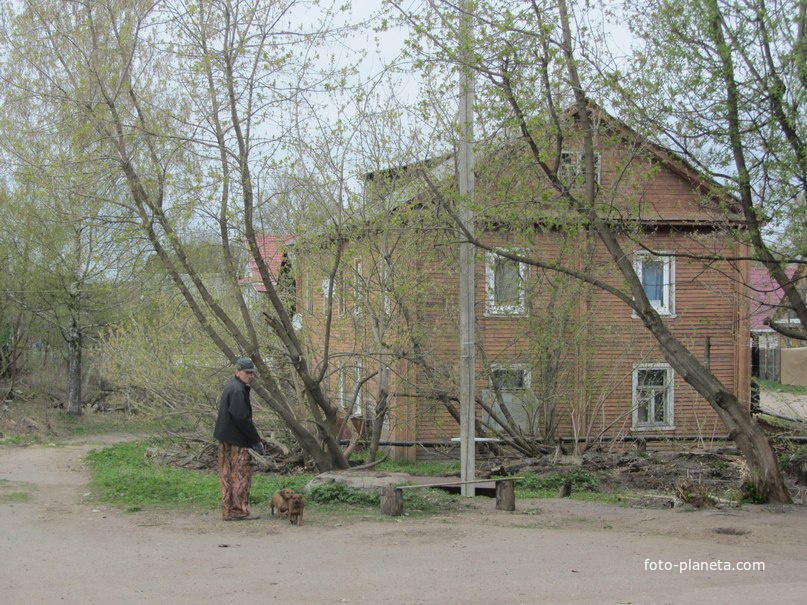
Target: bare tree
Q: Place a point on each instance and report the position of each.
(69, 254)
(727, 92)
(188, 103)
(530, 60)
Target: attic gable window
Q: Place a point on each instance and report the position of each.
(505, 287)
(572, 168)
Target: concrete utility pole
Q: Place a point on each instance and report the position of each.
(467, 264)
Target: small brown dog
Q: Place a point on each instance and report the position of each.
(296, 509)
(280, 501)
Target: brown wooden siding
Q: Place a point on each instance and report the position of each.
(708, 303)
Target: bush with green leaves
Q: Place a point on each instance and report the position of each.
(581, 481)
(338, 493)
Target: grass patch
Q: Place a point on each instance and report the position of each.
(603, 497)
(776, 387)
(780, 423)
(423, 469)
(336, 493)
(22, 439)
(548, 485)
(13, 492)
(88, 424)
(40, 424)
(123, 476)
(15, 497)
(429, 501)
(585, 486)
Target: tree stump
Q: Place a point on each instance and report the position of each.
(505, 494)
(798, 466)
(392, 501)
(641, 447)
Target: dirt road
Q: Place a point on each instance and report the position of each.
(60, 548)
(787, 405)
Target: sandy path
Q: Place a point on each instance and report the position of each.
(59, 548)
(789, 405)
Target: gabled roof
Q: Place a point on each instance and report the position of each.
(272, 248)
(669, 205)
(674, 161)
(766, 295)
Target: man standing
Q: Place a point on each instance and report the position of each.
(236, 435)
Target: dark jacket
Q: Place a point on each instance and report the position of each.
(234, 422)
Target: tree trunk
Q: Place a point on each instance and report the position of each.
(325, 458)
(379, 413)
(392, 501)
(505, 495)
(74, 346)
(763, 466)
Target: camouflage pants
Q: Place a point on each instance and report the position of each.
(235, 477)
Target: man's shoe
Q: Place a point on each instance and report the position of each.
(249, 517)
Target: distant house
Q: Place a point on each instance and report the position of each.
(275, 249)
(765, 296)
(558, 360)
(766, 304)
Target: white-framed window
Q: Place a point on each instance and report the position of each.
(653, 397)
(358, 286)
(341, 384)
(514, 385)
(309, 293)
(657, 274)
(571, 170)
(386, 288)
(358, 376)
(516, 377)
(505, 289)
(338, 296)
(326, 286)
(252, 297)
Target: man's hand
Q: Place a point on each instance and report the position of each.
(258, 447)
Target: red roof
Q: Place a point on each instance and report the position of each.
(766, 295)
(272, 249)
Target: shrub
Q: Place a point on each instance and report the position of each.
(337, 493)
(749, 493)
(581, 480)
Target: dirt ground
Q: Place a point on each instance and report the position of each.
(59, 547)
(787, 405)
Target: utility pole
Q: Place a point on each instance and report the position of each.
(467, 251)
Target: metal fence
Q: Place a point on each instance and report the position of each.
(766, 363)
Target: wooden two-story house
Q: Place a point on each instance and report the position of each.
(558, 359)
